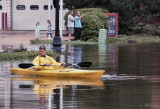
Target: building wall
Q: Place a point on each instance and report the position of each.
(25, 19)
(6, 8)
(1, 10)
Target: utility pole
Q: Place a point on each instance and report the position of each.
(57, 39)
(49, 10)
(61, 18)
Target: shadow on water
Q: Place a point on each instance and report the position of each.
(131, 80)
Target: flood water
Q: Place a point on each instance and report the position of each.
(131, 80)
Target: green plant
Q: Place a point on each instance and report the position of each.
(93, 22)
(23, 55)
(148, 29)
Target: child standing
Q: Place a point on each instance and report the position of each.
(37, 31)
(49, 30)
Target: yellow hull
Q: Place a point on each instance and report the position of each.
(60, 73)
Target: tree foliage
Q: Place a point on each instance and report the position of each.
(131, 12)
(146, 10)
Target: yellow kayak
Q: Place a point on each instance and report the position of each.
(60, 72)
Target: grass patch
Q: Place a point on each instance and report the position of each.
(123, 39)
(63, 42)
(24, 55)
(78, 42)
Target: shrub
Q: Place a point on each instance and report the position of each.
(148, 29)
(94, 19)
(23, 55)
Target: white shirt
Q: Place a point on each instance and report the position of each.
(70, 22)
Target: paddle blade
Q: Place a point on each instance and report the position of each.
(25, 65)
(85, 64)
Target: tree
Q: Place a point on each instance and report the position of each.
(126, 15)
(130, 12)
(146, 11)
(76, 4)
(118, 6)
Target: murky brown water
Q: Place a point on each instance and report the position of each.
(131, 80)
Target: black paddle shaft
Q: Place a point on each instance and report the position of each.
(82, 64)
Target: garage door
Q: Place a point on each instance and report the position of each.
(27, 12)
(1, 11)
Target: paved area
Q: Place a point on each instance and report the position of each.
(22, 37)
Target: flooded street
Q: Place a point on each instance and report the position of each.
(131, 80)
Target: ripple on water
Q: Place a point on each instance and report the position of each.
(121, 77)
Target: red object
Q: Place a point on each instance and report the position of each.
(4, 21)
(113, 15)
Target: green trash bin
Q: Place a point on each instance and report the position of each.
(102, 36)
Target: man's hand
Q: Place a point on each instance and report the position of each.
(63, 64)
(47, 64)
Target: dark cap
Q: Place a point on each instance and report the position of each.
(42, 47)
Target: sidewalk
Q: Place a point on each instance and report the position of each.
(23, 37)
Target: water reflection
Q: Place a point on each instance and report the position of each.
(4, 68)
(71, 54)
(102, 55)
(48, 91)
(8, 90)
(74, 53)
(112, 59)
(139, 59)
(131, 80)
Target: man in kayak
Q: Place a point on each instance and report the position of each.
(46, 61)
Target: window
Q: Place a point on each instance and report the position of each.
(21, 7)
(0, 7)
(46, 7)
(34, 7)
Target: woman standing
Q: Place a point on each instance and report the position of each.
(78, 25)
(37, 30)
(49, 29)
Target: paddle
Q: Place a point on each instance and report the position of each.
(82, 64)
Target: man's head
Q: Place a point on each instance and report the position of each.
(42, 50)
(71, 12)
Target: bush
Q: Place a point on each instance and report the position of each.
(94, 19)
(23, 55)
(148, 29)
